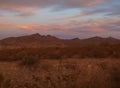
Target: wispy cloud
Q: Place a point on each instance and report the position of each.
(23, 7)
(100, 25)
(61, 17)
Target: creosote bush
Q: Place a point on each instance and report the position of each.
(29, 61)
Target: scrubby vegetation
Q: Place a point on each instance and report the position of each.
(61, 67)
(73, 73)
(98, 51)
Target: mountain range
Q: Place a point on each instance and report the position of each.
(37, 40)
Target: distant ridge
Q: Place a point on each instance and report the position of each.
(37, 40)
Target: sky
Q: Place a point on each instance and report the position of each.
(60, 18)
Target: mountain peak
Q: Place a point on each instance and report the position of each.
(36, 34)
(49, 36)
(110, 37)
(97, 37)
(75, 39)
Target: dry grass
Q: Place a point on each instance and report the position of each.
(69, 73)
(66, 67)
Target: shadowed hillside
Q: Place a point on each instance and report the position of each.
(37, 40)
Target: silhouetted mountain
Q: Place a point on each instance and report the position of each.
(33, 40)
(37, 40)
(99, 40)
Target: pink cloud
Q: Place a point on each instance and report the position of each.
(7, 25)
(94, 26)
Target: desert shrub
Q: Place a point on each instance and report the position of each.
(4, 83)
(60, 81)
(29, 61)
(115, 77)
(103, 65)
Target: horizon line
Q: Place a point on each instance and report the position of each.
(59, 37)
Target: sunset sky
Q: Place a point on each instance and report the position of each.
(60, 18)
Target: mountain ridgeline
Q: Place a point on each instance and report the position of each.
(37, 40)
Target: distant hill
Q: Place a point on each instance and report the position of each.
(99, 40)
(37, 40)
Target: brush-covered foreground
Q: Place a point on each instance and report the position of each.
(61, 67)
(63, 73)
